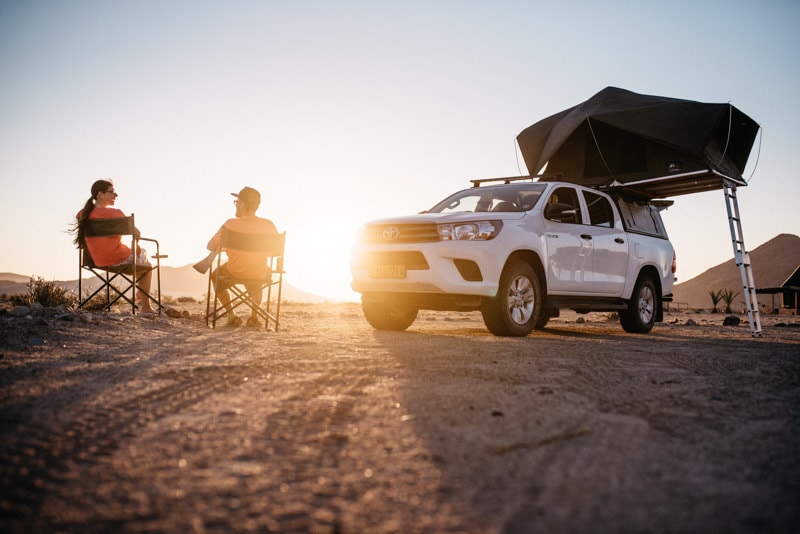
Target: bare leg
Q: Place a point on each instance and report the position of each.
(144, 300)
(225, 299)
(256, 294)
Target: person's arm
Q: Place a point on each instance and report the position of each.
(213, 244)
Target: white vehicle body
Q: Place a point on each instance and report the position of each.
(586, 249)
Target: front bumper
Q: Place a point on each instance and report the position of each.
(463, 268)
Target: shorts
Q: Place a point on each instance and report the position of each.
(221, 277)
(141, 259)
(224, 279)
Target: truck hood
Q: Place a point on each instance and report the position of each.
(449, 218)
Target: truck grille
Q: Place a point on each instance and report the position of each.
(387, 234)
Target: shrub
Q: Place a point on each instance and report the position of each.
(47, 293)
(96, 303)
(728, 295)
(716, 297)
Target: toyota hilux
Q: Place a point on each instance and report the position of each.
(518, 249)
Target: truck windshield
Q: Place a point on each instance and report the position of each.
(500, 198)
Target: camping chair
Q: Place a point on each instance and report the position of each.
(272, 245)
(121, 278)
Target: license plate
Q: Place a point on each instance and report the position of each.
(388, 271)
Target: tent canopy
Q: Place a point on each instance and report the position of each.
(654, 145)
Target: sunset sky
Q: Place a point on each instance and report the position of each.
(344, 111)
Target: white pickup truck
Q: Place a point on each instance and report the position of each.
(518, 250)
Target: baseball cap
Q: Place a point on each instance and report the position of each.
(249, 195)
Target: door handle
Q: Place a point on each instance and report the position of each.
(619, 240)
(586, 236)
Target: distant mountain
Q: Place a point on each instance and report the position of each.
(14, 278)
(175, 282)
(185, 281)
(773, 262)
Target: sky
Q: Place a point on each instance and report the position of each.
(344, 111)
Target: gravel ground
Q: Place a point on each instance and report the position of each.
(114, 423)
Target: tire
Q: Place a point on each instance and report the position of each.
(389, 316)
(640, 316)
(518, 307)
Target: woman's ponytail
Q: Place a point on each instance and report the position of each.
(79, 225)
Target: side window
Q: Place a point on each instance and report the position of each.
(563, 206)
(600, 212)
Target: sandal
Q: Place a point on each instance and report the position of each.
(253, 321)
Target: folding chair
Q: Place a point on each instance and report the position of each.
(122, 278)
(272, 246)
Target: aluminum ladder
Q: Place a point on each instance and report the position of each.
(742, 258)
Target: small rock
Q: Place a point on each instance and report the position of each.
(690, 322)
(731, 320)
(580, 320)
(20, 311)
(172, 312)
(36, 341)
(66, 316)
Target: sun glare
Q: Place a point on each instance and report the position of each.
(318, 258)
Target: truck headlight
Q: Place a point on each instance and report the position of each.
(472, 231)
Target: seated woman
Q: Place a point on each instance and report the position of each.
(110, 251)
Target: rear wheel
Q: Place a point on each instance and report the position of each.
(640, 316)
(389, 316)
(518, 307)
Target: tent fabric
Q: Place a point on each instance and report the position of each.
(619, 136)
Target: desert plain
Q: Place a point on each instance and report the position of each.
(117, 423)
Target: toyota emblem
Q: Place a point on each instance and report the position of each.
(390, 233)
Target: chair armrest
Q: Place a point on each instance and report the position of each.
(158, 254)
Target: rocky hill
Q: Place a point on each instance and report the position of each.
(773, 262)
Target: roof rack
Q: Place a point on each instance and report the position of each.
(509, 179)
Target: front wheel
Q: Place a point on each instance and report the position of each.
(518, 307)
(389, 316)
(640, 316)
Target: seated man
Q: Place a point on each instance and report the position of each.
(242, 264)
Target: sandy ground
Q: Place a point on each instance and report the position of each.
(137, 424)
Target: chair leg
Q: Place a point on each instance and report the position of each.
(242, 297)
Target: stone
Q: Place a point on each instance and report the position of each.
(731, 320)
(20, 311)
(172, 312)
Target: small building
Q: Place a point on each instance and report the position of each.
(789, 293)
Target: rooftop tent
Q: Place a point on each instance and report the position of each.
(652, 145)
